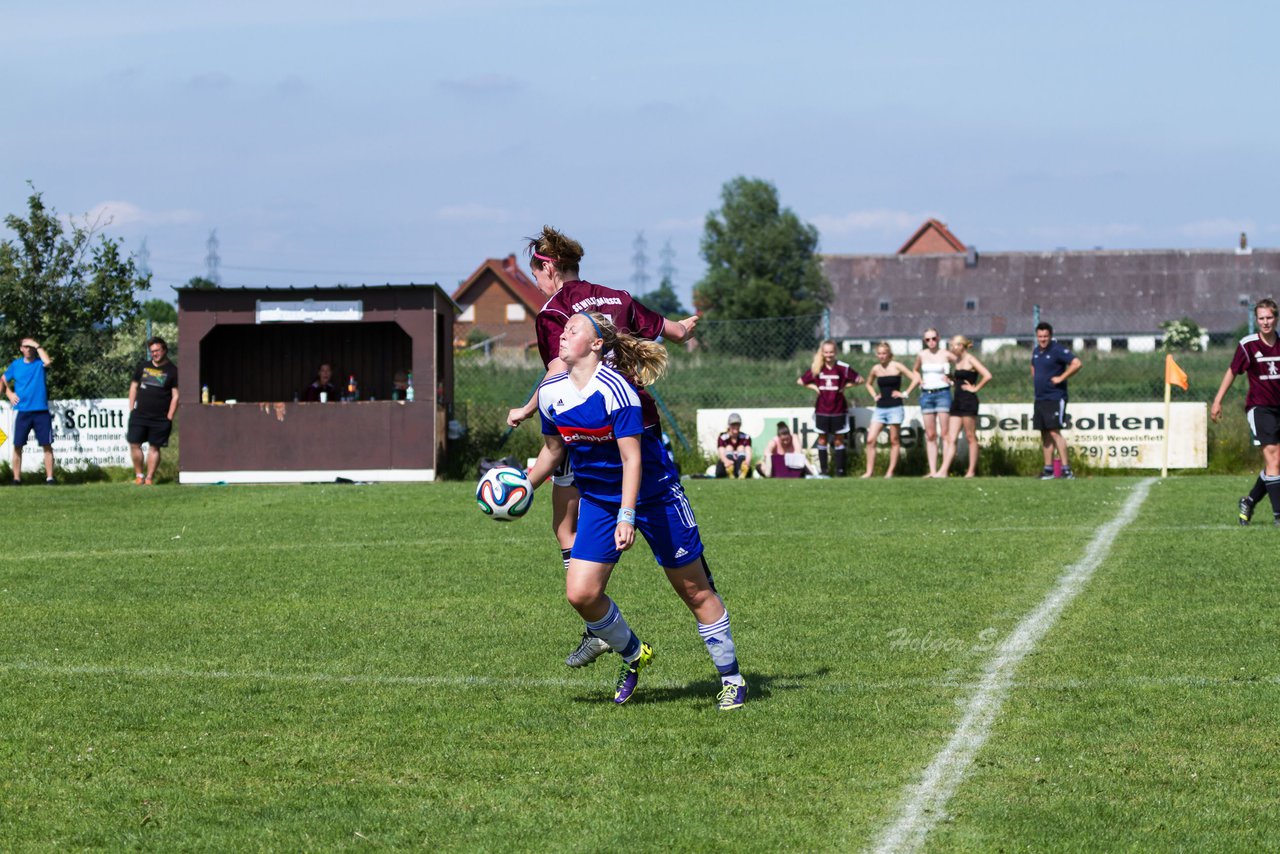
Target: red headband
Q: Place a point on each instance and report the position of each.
(544, 257)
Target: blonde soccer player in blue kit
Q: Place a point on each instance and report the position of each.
(627, 482)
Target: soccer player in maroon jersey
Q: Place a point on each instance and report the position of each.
(553, 260)
(1259, 356)
(829, 378)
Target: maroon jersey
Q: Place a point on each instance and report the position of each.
(1262, 364)
(831, 383)
(734, 444)
(627, 316)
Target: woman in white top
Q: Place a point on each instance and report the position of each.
(933, 365)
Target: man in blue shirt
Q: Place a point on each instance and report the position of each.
(23, 383)
(1051, 365)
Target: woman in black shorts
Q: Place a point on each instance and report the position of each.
(970, 376)
(829, 377)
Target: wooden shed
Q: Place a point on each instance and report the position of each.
(257, 350)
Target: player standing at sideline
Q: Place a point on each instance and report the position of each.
(592, 413)
(829, 378)
(1051, 365)
(1259, 356)
(553, 260)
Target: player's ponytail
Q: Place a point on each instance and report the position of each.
(642, 360)
(557, 248)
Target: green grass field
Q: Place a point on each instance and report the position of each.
(352, 667)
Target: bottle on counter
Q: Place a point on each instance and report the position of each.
(408, 389)
(204, 394)
(353, 390)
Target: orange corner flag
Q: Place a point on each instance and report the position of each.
(1173, 375)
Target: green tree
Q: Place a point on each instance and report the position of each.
(761, 263)
(200, 283)
(664, 300)
(159, 311)
(72, 293)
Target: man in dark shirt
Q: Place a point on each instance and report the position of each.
(1051, 365)
(153, 401)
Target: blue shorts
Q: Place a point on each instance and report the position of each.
(667, 525)
(40, 422)
(937, 400)
(888, 414)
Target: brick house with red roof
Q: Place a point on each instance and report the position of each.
(931, 238)
(500, 301)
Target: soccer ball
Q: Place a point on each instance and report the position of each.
(504, 493)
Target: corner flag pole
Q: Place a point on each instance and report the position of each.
(1168, 394)
(1173, 375)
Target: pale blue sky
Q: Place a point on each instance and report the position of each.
(397, 141)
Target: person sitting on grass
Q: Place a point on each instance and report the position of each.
(783, 445)
(733, 449)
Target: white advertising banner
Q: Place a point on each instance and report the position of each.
(85, 433)
(1103, 435)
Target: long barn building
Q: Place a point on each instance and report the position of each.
(1108, 299)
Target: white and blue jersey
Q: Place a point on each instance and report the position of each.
(590, 421)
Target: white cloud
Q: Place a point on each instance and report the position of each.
(293, 86)
(121, 213)
(473, 212)
(209, 81)
(1091, 235)
(481, 84)
(878, 220)
(154, 18)
(1217, 229)
(693, 224)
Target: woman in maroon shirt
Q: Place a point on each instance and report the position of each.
(829, 378)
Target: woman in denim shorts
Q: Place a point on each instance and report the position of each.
(933, 364)
(887, 377)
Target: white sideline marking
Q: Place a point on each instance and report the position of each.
(1175, 680)
(296, 678)
(926, 802)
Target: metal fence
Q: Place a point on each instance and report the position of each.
(757, 362)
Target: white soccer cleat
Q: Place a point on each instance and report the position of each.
(589, 649)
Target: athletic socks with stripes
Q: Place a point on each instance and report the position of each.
(719, 640)
(1273, 489)
(612, 628)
